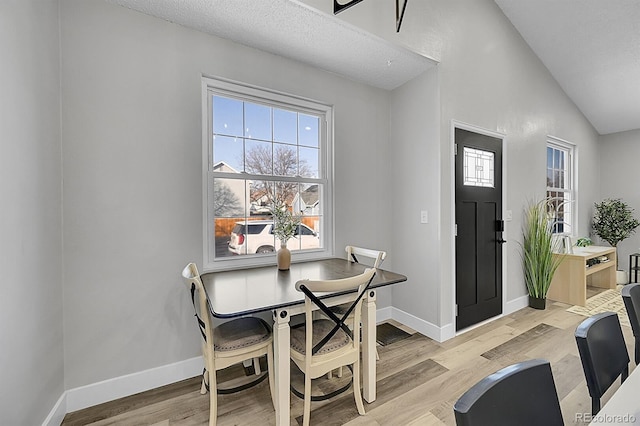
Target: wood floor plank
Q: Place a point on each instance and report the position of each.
(460, 355)
(344, 409)
(522, 342)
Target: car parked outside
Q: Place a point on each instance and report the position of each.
(256, 236)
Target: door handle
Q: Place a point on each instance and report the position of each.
(501, 241)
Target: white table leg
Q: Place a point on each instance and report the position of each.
(369, 346)
(281, 354)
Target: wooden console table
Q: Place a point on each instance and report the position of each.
(569, 284)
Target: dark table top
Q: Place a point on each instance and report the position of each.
(244, 291)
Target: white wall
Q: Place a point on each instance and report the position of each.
(131, 119)
(619, 156)
(31, 354)
(415, 147)
(491, 79)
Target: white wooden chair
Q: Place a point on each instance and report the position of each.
(321, 345)
(355, 254)
(230, 343)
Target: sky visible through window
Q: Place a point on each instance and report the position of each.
(239, 127)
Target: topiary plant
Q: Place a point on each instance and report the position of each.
(613, 221)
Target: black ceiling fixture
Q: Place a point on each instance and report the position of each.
(339, 6)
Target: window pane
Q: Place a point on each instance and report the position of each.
(285, 160)
(478, 167)
(285, 125)
(228, 203)
(556, 159)
(549, 158)
(257, 121)
(260, 198)
(258, 157)
(286, 192)
(227, 116)
(307, 201)
(308, 130)
(229, 150)
(309, 161)
(550, 178)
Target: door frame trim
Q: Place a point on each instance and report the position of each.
(455, 124)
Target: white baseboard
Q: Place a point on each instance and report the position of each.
(515, 305)
(384, 314)
(58, 412)
(130, 384)
(439, 334)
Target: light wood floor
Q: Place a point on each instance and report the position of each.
(419, 380)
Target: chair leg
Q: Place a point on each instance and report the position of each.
(256, 366)
(306, 414)
(213, 399)
(595, 405)
(377, 355)
(356, 387)
(340, 371)
(271, 372)
(637, 351)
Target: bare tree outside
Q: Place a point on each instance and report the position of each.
(225, 202)
(284, 162)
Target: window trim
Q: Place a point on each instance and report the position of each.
(255, 94)
(572, 151)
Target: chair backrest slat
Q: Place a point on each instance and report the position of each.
(602, 351)
(631, 297)
(355, 253)
(521, 394)
(309, 287)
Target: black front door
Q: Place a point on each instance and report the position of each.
(479, 227)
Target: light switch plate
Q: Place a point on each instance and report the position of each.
(508, 215)
(424, 216)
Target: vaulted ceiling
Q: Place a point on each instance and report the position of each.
(592, 48)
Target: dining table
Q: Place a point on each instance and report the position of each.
(623, 408)
(242, 292)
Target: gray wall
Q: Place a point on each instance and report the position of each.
(619, 154)
(31, 338)
(489, 78)
(131, 120)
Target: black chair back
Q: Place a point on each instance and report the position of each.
(603, 353)
(522, 394)
(631, 298)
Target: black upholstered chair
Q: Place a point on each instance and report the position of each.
(521, 394)
(603, 353)
(631, 297)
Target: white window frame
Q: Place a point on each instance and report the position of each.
(570, 177)
(223, 87)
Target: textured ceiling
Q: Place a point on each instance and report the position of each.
(592, 48)
(291, 29)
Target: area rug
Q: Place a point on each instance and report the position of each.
(607, 301)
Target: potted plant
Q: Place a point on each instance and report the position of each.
(538, 246)
(285, 224)
(613, 222)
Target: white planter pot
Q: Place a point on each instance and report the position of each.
(621, 277)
